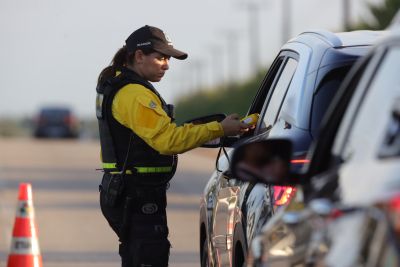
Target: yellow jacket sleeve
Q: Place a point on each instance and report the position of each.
(139, 109)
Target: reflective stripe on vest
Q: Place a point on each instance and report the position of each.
(113, 166)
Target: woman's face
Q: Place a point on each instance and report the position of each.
(151, 67)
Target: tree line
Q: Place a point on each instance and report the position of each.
(231, 98)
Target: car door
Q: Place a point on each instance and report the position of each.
(258, 205)
(230, 191)
(285, 237)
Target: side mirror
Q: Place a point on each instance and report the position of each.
(206, 119)
(265, 161)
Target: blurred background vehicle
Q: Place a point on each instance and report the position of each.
(56, 122)
(291, 101)
(351, 185)
(368, 178)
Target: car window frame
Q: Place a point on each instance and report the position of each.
(274, 70)
(287, 56)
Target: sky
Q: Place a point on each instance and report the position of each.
(53, 50)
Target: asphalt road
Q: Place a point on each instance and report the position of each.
(72, 231)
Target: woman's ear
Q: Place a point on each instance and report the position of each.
(139, 55)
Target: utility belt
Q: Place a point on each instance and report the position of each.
(112, 167)
(116, 185)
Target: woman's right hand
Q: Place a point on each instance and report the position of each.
(233, 126)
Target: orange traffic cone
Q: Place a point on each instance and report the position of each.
(24, 244)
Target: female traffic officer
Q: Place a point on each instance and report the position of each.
(139, 143)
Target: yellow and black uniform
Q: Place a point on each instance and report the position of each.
(139, 143)
(140, 110)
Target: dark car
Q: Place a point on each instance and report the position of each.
(291, 101)
(346, 208)
(56, 122)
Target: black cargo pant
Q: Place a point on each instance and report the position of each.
(139, 220)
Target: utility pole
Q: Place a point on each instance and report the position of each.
(217, 68)
(254, 32)
(198, 72)
(232, 55)
(346, 15)
(286, 20)
(187, 79)
(253, 9)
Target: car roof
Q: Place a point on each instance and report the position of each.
(341, 39)
(319, 49)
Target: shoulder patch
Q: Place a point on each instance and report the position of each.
(152, 104)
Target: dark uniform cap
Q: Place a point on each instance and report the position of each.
(154, 38)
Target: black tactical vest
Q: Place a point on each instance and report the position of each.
(144, 165)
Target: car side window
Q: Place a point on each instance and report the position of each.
(264, 89)
(346, 108)
(278, 94)
(324, 94)
(266, 85)
(367, 130)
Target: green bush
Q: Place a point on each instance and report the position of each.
(235, 98)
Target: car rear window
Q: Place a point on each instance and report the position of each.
(325, 93)
(54, 113)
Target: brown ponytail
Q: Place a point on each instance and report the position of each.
(121, 58)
